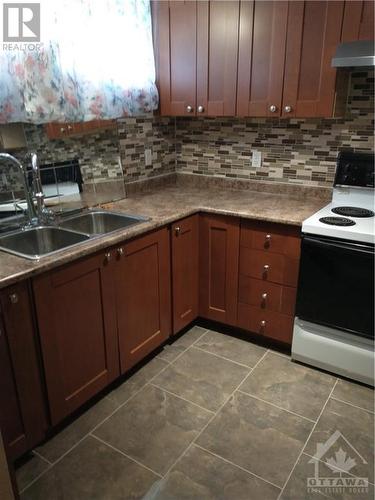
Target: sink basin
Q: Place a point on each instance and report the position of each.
(100, 222)
(36, 242)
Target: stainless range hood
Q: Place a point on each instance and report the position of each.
(349, 54)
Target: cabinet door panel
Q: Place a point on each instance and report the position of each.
(185, 264)
(143, 297)
(77, 324)
(218, 268)
(314, 30)
(358, 23)
(23, 418)
(175, 40)
(262, 39)
(217, 51)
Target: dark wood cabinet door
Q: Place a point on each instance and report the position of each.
(217, 54)
(143, 292)
(358, 23)
(262, 39)
(185, 268)
(314, 31)
(218, 267)
(175, 41)
(76, 310)
(23, 418)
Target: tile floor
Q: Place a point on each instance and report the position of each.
(213, 417)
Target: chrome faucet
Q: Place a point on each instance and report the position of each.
(44, 215)
(31, 211)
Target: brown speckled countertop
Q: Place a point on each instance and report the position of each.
(167, 205)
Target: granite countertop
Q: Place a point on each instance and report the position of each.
(167, 205)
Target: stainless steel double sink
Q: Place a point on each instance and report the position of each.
(36, 242)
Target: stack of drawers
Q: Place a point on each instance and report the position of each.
(268, 274)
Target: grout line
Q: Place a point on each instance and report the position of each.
(351, 404)
(337, 468)
(35, 479)
(125, 455)
(237, 466)
(180, 397)
(212, 418)
(37, 454)
(221, 357)
(276, 406)
(308, 437)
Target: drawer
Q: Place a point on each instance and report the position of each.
(275, 238)
(267, 323)
(265, 295)
(272, 267)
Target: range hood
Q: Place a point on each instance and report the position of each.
(360, 53)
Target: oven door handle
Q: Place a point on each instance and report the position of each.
(356, 247)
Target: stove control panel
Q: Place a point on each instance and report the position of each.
(355, 169)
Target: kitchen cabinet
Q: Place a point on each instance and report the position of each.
(23, 418)
(185, 271)
(196, 47)
(61, 130)
(268, 275)
(76, 311)
(218, 267)
(285, 52)
(358, 22)
(143, 294)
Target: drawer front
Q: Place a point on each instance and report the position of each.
(271, 238)
(268, 323)
(272, 267)
(265, 295)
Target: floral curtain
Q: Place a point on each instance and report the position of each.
(95, 61)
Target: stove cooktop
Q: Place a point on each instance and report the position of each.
(337, 221)
(353, 212)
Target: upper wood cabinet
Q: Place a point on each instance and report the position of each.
(23, 419)
(143, 296)
(60, 130)
(358, 22)
(76, 311)
(196, 45)
(285, 52)
(185, 271)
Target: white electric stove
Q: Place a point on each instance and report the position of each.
(334, 324)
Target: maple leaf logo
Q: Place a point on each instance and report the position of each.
(341, 463)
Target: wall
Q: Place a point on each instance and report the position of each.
(299, 151)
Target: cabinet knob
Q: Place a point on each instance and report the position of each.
(13, 297)
(62, 130)
(273, 108)
(288, 109)
(266, 268)
(189, 109)
(120, 252)
(200, 109)
(262, 324)
(264, 296)
(70, 127)
(177, 230)
(107, 256)
(267, 240)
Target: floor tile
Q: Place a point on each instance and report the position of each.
(202, 378)
(171, 351)
(30, 470)
(356, 427)
(231, 348)
(123, 392)
(202, 476)
(303, 484)
(355, 394)
(289, 385)
(154, 427)
(92, 471)
(68, 437)
(257, 436)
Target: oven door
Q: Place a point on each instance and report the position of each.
(336, 285)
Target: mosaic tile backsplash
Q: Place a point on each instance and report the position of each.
(302, 151)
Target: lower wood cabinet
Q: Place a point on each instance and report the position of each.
(185, 271)
(219, 238)
(143, 293)
(23, 420)
(76, 310)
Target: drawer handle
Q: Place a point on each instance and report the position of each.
(267, 240)
(177, 230)
(107, 257)
(13, 297)
(120, 252)
(266, 268)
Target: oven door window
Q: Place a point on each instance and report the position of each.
(336, 285)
